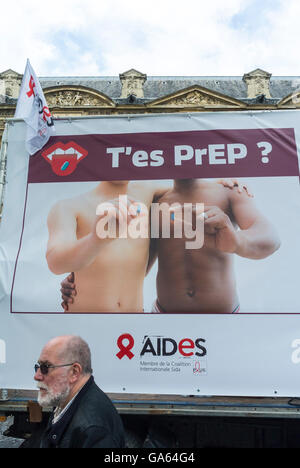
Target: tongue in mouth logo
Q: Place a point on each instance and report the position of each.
(64, 157)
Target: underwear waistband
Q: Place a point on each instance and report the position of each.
(157, 309)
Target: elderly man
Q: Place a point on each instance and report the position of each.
(84, 417)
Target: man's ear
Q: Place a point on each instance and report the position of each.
(76, 372)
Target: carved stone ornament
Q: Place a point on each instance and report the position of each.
(10, 82)
(258, 82)
(132, 83)
(74, 98)
(292, 100)
(194, 98)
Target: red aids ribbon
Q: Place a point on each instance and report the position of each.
(31, 86)
(125, 350)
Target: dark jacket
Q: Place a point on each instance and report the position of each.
(90, 422)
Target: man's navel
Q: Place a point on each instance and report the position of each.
(190, 292)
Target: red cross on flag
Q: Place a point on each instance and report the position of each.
(32, 107)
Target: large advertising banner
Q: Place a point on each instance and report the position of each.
(168, 242)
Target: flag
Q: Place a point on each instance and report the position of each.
(32, 107)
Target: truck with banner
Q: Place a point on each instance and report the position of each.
(179, 235)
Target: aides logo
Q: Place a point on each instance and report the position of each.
(125, 343)
(64, 157)
(161, 346)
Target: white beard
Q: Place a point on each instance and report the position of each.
(52, 398)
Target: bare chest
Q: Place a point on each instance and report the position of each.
(207, 197)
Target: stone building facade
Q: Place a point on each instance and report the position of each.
(133, 92)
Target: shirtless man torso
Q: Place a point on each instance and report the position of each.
(203, 280)
(109, 273)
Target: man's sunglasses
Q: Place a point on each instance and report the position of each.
(44, 368)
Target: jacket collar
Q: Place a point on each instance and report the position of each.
(54, 432)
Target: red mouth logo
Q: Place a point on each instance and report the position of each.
(64, 157)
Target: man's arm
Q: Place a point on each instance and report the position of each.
(65, 252)
(256, 239)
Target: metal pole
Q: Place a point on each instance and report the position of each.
(3, 153)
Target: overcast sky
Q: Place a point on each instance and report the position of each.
(157, 37)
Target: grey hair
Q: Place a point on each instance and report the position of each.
(77, 350)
